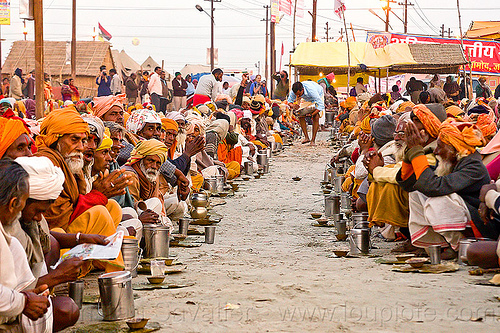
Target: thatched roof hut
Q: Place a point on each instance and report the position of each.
(90, 55)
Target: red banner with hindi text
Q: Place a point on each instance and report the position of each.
(484, 54)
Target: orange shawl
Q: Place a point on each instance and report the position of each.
(225, 154)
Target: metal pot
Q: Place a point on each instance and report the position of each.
(329, 117)
(199, 200)
(345, 201)
(156, 238)
(359, 217)
(220, 183)
(199, 213)
(248, 167)
(332, 205)
(131, 255)
(269, 153)
(326, 175)
(359, 241)
(462, 249)
(263, 161)
(212, 184)
(117, 298)
(279, 146)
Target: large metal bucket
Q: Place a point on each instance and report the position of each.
(263, 161)
(156, 241)
(131, 255)
(329, 117)
(220, 183)
(117, 298)
(326, 175)
(359, 241)
(248, 167)
(336, 182)
(211, 184)
(332, 205)
(345, 202)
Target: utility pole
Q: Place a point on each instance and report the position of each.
(405, 5)
(212, 56)
(273, 53)
(73, 42)
(266, 68)
(327, 29)
(449, 33)
(315, 8)
(212, 35)
(442, 30)
(38, 17)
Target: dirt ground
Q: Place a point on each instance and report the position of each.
(277, 273)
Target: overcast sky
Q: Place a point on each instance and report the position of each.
(174, 31)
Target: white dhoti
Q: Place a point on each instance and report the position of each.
(131, 219)
(174, 209)
(437, 220)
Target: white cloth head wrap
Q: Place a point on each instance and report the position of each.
(139, 118)
(174, 115)
(45, 179)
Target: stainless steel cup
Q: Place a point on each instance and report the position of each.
(75, 290)
(209, 234)
(435, 254)
(183, 226)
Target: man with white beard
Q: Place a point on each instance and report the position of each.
(143, 168)
(63, 136)
(444, 202)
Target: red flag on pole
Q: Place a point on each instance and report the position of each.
(339, 7)
(282, 52)
(103, 34)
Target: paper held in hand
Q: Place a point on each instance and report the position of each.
(94, 251)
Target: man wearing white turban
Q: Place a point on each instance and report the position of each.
(31, 229)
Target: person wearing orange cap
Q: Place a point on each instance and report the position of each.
(109, 108)
(15, 140)
(444, 202)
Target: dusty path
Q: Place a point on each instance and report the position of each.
(273, 265)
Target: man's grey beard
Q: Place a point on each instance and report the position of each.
(400, 151)
(150, 174)
(75, 162)
(444, 167)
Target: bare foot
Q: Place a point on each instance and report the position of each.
(306, 141)
(312, 143)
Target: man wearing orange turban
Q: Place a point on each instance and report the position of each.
(109, 108)
(62, 139)
(429, 122)
(150, 186)
(445, 201)
(14, 138)
(487, 126)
